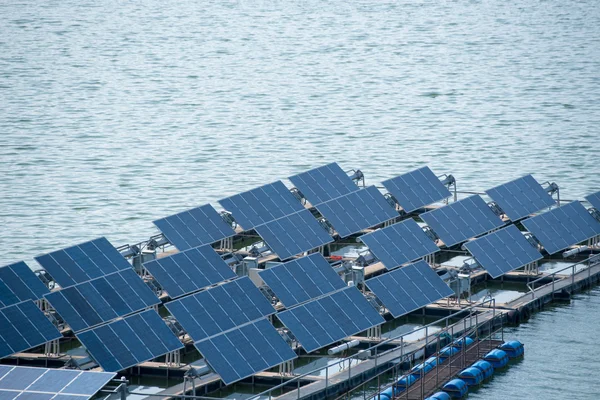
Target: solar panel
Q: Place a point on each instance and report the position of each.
(562, 227)
(262, 205)
(24, 326)
(409, 288)
(594, 200)
(416, 189)
(18, 283)
(83, 262)
(294, 234)
(503, 251)
(218, 309)
(195, 227)
(242, 352)
(329, 319)
(521, 197)
(462, 220)
(103, 299)
(356, 211)
(324, 183)
(399, 243)
(28, 383)
(302, 279)
(189, 271)
(129, 341)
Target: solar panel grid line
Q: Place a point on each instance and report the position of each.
(323, 183)
(194, 227)
(520, 197)
(594, 200)
(416, 189)
(19, 283)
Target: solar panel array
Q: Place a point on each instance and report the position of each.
(218, 309)
(520, 197)
(324, 183)
(293, 234)
(261, 205)
(562, 227)
(416, 189)
(83, 262)
(409, 288)
(26, 383)
(18, 283)
(129, 341)
(462, 220)
(399, 243)
(503, 251)
(329, 319)
(356, 211)
(302, 279)
(244, 351)
(103, 299)
(195, 227)
(594, 200)
(189, 271)
(24, 326)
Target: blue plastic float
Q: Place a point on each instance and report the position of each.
(456, 388)
(498, 358)
(513, 348)
(485, 367)
(458, 343)
(421, 369)
(439, 396)
(448, 352)
(472, 376)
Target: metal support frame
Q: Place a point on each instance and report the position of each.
(286, 368)
(52, 348)
(173, 359)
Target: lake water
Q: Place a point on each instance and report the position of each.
(115, 114)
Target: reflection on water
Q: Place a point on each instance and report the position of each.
(503, 292)
(552, 266)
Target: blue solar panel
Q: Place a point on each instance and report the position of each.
(416, 189)
(399, 243)
(594, 200)
(356, 211)
(503, 251)
(25, 382)
(261, 205)
(24, 326)
(323, 183)
(129, 341)
(195, 227)
(302, 279)
(242, 352)
(218, 309)
(101, 300)
(462, 220)
(83, 262)
(409, 288)
(18, 283)
(189, 271)
(293, 234)
(329, 319)
(521, 197)
(563, 226)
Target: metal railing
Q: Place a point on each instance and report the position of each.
(586, 264)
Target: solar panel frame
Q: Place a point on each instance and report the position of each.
(399, 243)
(130, 341)
(409, 288)
(27, 382)
(83, 262)
(462, 220)
(24, 326)
(246, 350)
(194, 227)
(562, 227)
(323, 183)
(302, 279)
(416, 189)
(357, 211)
(103, 299)
(218, 309)
(502, 251)
(190, 270)
(330, 318)
(520, 197)
(261, 205)
(19, 283)
(594, 200)
(293, 234)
